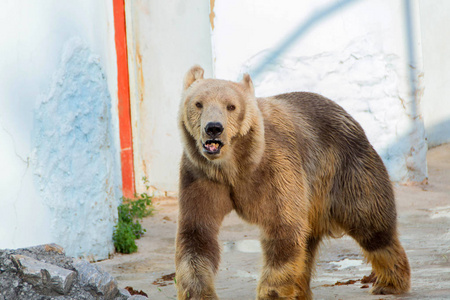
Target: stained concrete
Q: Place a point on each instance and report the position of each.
(424, 225)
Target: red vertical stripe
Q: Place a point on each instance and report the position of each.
(126, 139)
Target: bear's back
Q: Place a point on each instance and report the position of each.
(321, 122)
(327, 139)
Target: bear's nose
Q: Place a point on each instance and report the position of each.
(214, 129)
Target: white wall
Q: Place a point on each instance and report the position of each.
(59, 159)
(435, 28)
(165, 38)
(356, 56)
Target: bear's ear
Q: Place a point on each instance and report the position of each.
(248, 84)
(195, 73)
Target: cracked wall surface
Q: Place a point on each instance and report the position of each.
(356, 57)
(17, 199)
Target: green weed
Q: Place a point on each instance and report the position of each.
(128, 228)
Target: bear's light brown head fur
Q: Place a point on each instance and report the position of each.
(215, 114)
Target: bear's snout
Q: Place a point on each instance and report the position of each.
(213, 129)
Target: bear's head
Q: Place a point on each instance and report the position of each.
(214, 113)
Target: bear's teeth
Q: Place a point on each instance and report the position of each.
(213, 146)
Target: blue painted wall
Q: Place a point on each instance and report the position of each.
(75, 171)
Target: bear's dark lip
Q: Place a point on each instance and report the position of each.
(210, 142)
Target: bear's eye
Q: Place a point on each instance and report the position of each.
(231, 107)
(199, 105)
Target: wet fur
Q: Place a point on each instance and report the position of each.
(298, 166)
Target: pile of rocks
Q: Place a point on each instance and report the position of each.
(45, 272)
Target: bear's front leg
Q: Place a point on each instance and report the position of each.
(202, 207)
(197, 260)
(284, 264)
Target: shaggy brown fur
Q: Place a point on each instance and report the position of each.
(298, 166)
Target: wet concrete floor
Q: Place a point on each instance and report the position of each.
(424, 225)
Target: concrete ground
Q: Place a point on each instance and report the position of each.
(424, 224)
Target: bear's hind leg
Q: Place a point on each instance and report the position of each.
(376, 233)
(365, 209)
(391, 267)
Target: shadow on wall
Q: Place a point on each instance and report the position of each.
(438, 134)
(301, 30)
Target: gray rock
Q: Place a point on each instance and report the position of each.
(47, 248)
(95, 278)
(93, 284)
(123, 294)
(44, 275)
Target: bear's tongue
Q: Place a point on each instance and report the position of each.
(212, 147)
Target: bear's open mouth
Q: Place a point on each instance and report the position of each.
(212, 146)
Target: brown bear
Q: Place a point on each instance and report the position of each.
(297, 165)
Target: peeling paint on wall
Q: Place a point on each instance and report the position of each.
(73, 154)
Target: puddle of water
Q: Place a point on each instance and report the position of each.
(440, 212)
(245, 274)
(245, 246)
(347, 263)
(366, 269)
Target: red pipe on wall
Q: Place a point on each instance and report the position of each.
(126, 138)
